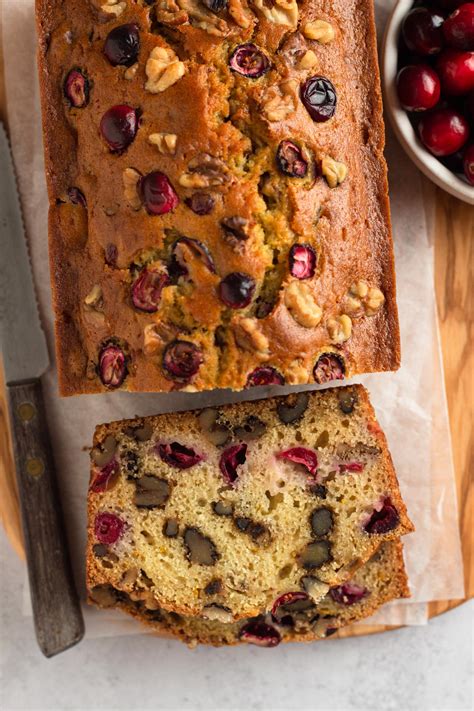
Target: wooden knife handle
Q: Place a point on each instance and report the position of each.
(56, 609)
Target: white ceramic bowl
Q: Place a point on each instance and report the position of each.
(404, 131)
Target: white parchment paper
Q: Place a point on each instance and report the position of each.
(411, 404)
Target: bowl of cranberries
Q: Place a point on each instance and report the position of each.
(428, 77)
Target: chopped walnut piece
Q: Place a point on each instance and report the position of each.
(205, 171)
(334, 171)
(339, 328)
(353, 306)
(94, 298)
(308, 60)
(249, 337)
(278, 107)
(319, 30)
(163, 69)
(203, 18)
(114, 7)
(152, 341)
(280, 12)
(165, 142)
(296, 373)
(360, 288)
(130, 72)
(375, 300)
(130, 179)
(301, 304)
(240, 13)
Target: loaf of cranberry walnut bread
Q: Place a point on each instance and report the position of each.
(250, 501)
(294, 617)
(218, 193)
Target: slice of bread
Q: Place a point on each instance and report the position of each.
(252, 500)
(381, 579)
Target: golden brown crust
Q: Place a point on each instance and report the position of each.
(352, 237)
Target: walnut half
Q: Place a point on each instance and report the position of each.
(163, 69)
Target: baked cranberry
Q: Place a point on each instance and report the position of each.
(348, 594)
(249, 61)
(112, 365)
(108, 528)
(456, 71)
(157, 193)
(236, 290)
(215, 6)
(76, 197)
(383, 519)
(178, 266)
(301, 455)
(469, 164)
(105, 477)
(147, 288)
(302, 261)
(201, 203)
(353, 467)
(443, 131)
(259, 633)
(290, 160)
(458, 29)
(182, 359)
(319, 98)
(329, 366)
(264, 375)
(288, 599)
(230, 459)
(422, 31)
(122, 45)
(179, 456)
(119, 126)
(76, 89)
(418, 87)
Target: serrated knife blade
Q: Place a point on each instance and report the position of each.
(22, 339)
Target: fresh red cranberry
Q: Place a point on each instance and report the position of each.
(179, 456)
(249, 61)
(302, 259)
(76, 197)
(105, 477)
(422, 31)
(418, 87)
(201, 203)
(112, 365)
(348, 594)
(329, 366)
(122, 45)
(231, 458)
(288, 599)
(456, 71)
(319, 98)
(443, 131)
(182, 359)
(119, 127)
(290, 160)
(236, 290)
(458, 29)
(301, 455)
(353, 467)
(259, 633)
(147, 288)
(469, 164)
(177, 267)
(108, 528)
(383, 519)
(76, 89)
(158, 195)
(264, 375)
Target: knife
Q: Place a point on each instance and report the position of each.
(56, 609)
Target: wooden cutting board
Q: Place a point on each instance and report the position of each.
(454, 266)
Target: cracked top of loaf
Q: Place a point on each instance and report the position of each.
(218, 193)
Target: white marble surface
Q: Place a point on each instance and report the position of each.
(426, 668)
